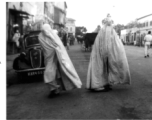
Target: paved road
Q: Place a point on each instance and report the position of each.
(30, 101)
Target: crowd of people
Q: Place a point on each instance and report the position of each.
(67, 38)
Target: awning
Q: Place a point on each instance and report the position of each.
(20, 13)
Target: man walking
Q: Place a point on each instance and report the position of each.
(147, 41)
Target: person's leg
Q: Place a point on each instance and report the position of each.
(145, 50)
(54, 88)
(50, 74)
(107, 86)
(148, 46)
(53, 85)
(68, 46)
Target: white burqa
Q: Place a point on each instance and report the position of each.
(108, 62)
(57, 62)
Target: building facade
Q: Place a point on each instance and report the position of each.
(59, 14)
(70, 25)
(137, 34)
(145, 23)
(44, 14)
(29, 16)
(18, 16)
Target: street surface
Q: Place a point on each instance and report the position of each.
(31, 101)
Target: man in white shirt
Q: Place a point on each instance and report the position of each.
(16, 38)
(147, 39)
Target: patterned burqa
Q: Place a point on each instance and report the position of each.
(59, 68)
(108, 62)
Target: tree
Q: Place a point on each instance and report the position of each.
(80, 30)
(118, 28)
(133, 24)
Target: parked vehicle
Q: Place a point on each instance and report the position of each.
(30, 62)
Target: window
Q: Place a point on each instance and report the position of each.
(31, 41)
(143, 24)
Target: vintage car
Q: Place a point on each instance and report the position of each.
(30, 61)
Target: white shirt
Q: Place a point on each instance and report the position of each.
(16, 37)
(148, 38)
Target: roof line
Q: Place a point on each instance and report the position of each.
(144, 16)
(71, 19)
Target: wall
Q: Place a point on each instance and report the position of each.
(28, 7)
(59, 13)
(59, 16)
(14, 5)
(49, 13)
(60, 5)
(50, 10)
(70, 24)
(39, 16)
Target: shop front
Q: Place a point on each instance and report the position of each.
(16, 22)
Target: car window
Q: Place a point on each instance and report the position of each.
(32, 40)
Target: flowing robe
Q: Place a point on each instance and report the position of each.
(108, 62)
(57, 62)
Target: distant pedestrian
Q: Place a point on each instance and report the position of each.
(63, 36)
(147, 41)
(97, 29)
(68, 42)
(72, 39)
(16, 38)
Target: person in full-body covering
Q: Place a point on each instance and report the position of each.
(60, 73)
(108, 62)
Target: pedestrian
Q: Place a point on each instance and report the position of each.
(72, 39)
(108, 62)
(68, 42)
(63, 36)
(16, 38)
(97, 29)
(147, 42)
(59, 73)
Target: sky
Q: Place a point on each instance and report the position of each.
(89, 13)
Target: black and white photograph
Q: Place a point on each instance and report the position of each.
(77, 59)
